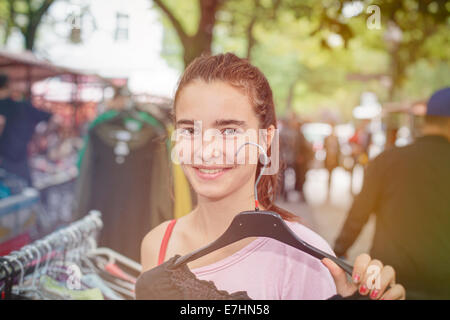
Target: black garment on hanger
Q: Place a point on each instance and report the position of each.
(166, 282)
(133, 191)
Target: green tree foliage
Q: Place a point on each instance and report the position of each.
(316, 57)
(25, 15)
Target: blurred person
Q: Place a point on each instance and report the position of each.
(2, 123)
(286, 155)
(360, 143)
(20, 118)
(289, 149)
(333, 154)
(408, 189)
(228, 94)
(296, 153)
(304, 156)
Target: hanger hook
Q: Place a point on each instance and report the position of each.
(13, 257)
(49, 253)
(260, 173)
(36, 268)
(73, 250)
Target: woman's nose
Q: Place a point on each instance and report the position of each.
(209, 151)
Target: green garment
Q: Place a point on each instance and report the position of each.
(54, 289)
(111, 114)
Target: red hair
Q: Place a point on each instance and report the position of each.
(239, 73)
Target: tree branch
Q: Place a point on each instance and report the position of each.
(250, 38)
(178, 28)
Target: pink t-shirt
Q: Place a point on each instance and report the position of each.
(271, 270)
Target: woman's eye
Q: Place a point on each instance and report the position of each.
(187, 131)
(229, 131)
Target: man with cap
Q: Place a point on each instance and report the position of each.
(408, 189)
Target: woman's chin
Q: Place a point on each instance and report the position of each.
(212, 195)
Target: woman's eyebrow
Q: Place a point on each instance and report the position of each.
(226, 122)
(217, 123)
(185, 121)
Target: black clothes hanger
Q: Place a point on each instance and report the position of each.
(260, 224)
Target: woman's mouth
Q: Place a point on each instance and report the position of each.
(210, 173)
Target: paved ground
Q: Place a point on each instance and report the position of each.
(326, 217)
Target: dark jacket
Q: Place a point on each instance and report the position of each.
(408, 189)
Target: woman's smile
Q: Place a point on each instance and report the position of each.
(210, 172)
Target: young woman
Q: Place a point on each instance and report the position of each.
(229, 96)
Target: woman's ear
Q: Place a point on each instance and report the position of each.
(268, 135)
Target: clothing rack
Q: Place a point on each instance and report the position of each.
(77, 238)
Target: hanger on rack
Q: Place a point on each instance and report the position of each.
(114, 257)
(31, 288)
(34, 259)
(256, 223)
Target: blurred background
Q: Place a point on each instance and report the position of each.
(350, 80)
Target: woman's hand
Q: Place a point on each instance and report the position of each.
(369, 276)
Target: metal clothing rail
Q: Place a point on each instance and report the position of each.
(78, 235)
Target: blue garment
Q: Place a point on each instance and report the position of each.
(94, 281)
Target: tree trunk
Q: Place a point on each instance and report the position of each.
(194, 47)
(201, 42)
(250, 39)
(30, 37)
(290, 97)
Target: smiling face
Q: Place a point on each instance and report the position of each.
(226, 117)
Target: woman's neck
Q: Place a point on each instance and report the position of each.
(212, 217)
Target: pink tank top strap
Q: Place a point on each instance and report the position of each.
(165, 241)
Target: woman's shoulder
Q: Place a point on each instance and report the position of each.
(157, 231)
(151, 244)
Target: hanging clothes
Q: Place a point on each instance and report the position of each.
(182, 189)
(101, 118)
(183, 200)
(166, 282)
(183, 195)
(56, 291)
(125, 174)
(57, 269)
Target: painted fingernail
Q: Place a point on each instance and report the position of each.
(356, 278)
(374, 293)
(363, 289)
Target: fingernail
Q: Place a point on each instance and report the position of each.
(374, 293)
(356, 278)
(363, 289)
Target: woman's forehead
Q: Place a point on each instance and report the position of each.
(213, 101)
